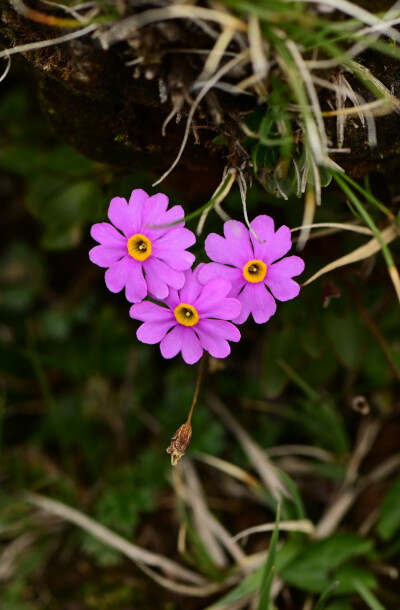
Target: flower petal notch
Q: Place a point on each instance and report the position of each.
(144, 248)
(196, 318)
(254, 262)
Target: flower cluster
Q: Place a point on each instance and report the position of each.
(145, 251)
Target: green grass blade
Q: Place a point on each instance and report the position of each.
(269, 567)
(367, 596)
(371, 224)
(368, 196)
(326, 595)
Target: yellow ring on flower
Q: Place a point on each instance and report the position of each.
(139, 247)
(255, 271)
(186, 314)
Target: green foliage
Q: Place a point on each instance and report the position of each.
(389, 519)
(319, 563)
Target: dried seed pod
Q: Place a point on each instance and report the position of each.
(179, 443)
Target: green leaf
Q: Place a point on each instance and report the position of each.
(389, 520)
(347, 574)
(248, 585)
(315, 567)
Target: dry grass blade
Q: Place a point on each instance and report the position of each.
(338, 509)
(6, 69)
(193, 495)
(236, 61)
(308, 217)
(303, 525)
(208, 525)
(44, 18)
(359, 254)
(320, 150)
(113, 540)
(253, 451)
(11, 555)
(200, 591)
(230, 469)
(335, 225)
(216, 53)
(32, 46)
(364, 16)
(367, 433)
(306, 450)
(219, 197)
(125, 28)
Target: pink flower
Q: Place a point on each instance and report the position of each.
(194, 320)
(141, 257)
(253, 267)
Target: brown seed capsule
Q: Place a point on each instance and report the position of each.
(179, 443)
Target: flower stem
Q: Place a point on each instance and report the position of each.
(197, 389)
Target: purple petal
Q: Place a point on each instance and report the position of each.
(284, 290)
(191, 288)
(157, 288)
(235, 249)
(220, 328)
(212, 302)
(175, 215)
(173, 299)
(154, 332)
(107, 235)
(170, 346)
(137, 202)
(171, 248)
(182, 339)
(104, 256)
(214, 336)
(275, 245)
(121, 216)
(213, 291)
(117, 274)
(228, 309)
(289, 267)
(146, 311)
(191, 349)
(256, 299)
(278, 278)
(156, 216)
(264, 228)
(159, 276)
(135, 285)
(232, 274)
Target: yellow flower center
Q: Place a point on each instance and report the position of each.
(255, 271)
(139, 247)
(186, 314)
